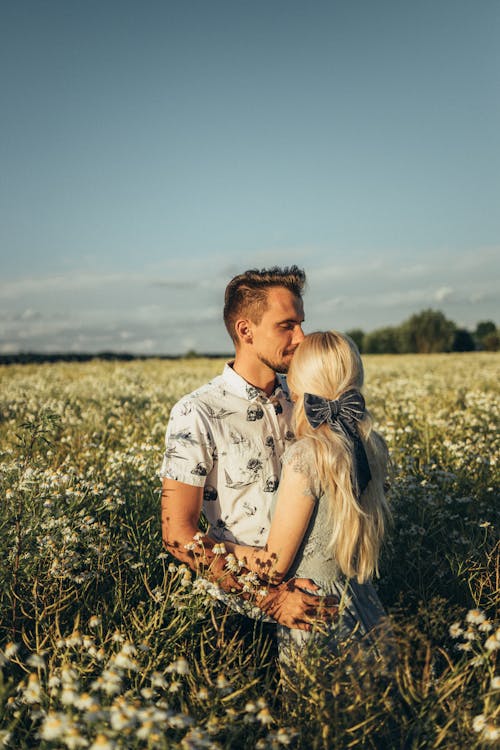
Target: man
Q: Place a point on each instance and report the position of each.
(224, 444)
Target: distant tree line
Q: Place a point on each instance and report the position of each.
(25, 358)
(425, 332)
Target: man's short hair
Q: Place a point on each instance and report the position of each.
(246, 294)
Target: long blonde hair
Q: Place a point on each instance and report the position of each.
(328, 364)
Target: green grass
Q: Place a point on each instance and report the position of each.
(104, 643)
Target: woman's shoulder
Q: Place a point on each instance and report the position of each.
(300, 456)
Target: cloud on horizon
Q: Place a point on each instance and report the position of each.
(176, 308)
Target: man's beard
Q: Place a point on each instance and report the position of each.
(281, 366)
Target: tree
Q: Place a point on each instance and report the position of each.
(463, 341)
(491, 342)
(426, 332)
(485, 334)
(483, 328)
(357, 335)
(382, 341)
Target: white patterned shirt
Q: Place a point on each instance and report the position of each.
(228, 437)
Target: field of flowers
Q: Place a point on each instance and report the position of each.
(105, 643)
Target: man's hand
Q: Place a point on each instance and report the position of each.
(289, 603)
(293, 606)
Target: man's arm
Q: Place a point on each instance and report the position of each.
(287, 603)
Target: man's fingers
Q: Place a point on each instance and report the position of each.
(303, 583)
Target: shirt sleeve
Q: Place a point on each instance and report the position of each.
(189, 449)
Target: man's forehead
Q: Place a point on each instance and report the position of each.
(282, 301)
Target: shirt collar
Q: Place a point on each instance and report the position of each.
(240, 387)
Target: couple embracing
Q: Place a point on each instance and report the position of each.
(287, 471)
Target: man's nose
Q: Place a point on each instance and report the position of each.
(298, 335)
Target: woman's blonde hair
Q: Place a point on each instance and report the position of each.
(328, 364)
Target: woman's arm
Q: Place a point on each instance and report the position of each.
(294, 508)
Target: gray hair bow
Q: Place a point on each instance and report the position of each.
(342, 415)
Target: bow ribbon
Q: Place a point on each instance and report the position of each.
(342, 415)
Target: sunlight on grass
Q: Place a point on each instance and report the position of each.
(106, 643)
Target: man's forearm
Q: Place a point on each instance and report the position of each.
(210, 559)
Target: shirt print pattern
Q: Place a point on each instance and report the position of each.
(228, 437)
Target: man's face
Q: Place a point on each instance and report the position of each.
(279, 332)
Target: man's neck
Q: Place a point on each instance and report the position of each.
(255, 372)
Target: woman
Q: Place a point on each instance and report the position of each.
(331, 514)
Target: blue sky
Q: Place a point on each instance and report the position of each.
(151, 150)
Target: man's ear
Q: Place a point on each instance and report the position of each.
(243, 328)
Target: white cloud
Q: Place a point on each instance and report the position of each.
(443, 293)
(178, 306)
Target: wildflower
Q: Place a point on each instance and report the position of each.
(265, 717)
(85, 702)
(174, 687)
(198, 537)
(145, 730)
(485, 626)
(119, 720)
(180, 721)
(54, 726)
(180, 666)
(455, 630)
(111, 682)
(94, 621)
(219, 549)
(37, 661)
(33, 692)
(190, 546)
(490, 732)
(495, 683)
(69, 676)
(75, 639)
(68, 696)
(11, 650)
(202, 694)
(222, 683)
(283, 736)
(73, 739)
(158, 680)
(492, 643)
(232, 564)
(475, 616)
(479, 722)
(129, 649)
(101, 742)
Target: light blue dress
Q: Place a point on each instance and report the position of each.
(362, 625)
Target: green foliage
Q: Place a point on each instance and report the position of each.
(382, 341)
(484, 328)
(463, 341)
(357, 335)
(106, 643)
(491, 342)
(426, 332)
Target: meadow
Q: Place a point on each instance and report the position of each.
(107, 643)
